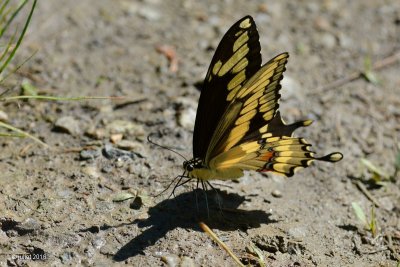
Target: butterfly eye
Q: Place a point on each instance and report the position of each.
(189, 167)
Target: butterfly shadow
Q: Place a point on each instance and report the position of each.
(186, 211)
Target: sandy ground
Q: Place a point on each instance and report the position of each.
(62, 205)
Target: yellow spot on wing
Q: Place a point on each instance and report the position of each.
(284, 168)
(260, 83)
(264, 129)
(274, 139)
(250, 106)
(267, 134)
(268, 106)
(254, 97)
(295, 154)
(236, 134)
(246, 117)
(250, 147)
(268, 116)
(239, 54)
(291, 148)
(217, 67)
(240, 41)
(293, 161)
(233, 92)
(245, 24)
(237, 80)
(241, 65)
(267, 97)
(238, 33)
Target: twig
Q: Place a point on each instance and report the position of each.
(390, 60)
(219, 242)
(366, 193)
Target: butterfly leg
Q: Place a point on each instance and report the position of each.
(204, 185)
(176, 186)
(197, 202)
(218, 198)
(172, 182)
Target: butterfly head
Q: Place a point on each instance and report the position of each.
(192, 164)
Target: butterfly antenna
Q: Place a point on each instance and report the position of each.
(164, 147)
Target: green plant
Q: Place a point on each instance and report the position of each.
(369, 224)
(379, 176)
(7, 16)
(368, 72)
(8, 13)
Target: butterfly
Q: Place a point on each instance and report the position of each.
(238, 126)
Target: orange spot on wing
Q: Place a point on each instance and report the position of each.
(266, 156)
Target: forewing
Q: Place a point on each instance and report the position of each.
(236, 59)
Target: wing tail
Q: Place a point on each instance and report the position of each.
(280, 155)
(290, 154)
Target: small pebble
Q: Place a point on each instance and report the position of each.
(96, 133)
(186, 262)
(130, 145)
(292, 88)
(170, 260)
(149, 14)
(276, 193)
(297, 232)
(68, 124)
(186, 112)
(327, 40)
(66, 257)
(111, 152)
(186, 118)
(98, 242)
(139, 169)
(89, 154)
(107, 169)
(125, 127)
(3, 116)
(91, 171)
(116, 138)
(27, 226)
(322, 24)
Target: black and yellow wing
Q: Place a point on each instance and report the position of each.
(238, 126)
(236, 59)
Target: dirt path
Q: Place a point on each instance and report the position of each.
(61, 203)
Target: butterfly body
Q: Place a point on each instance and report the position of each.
(199, 171)
(238, 125)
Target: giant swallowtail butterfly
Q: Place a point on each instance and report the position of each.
(238, 126)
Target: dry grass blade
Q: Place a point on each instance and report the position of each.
(365, 191)
(58, 98)
(12, 135)
(219, 242)
(390, 60)
(21, 37)
(22, 133)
